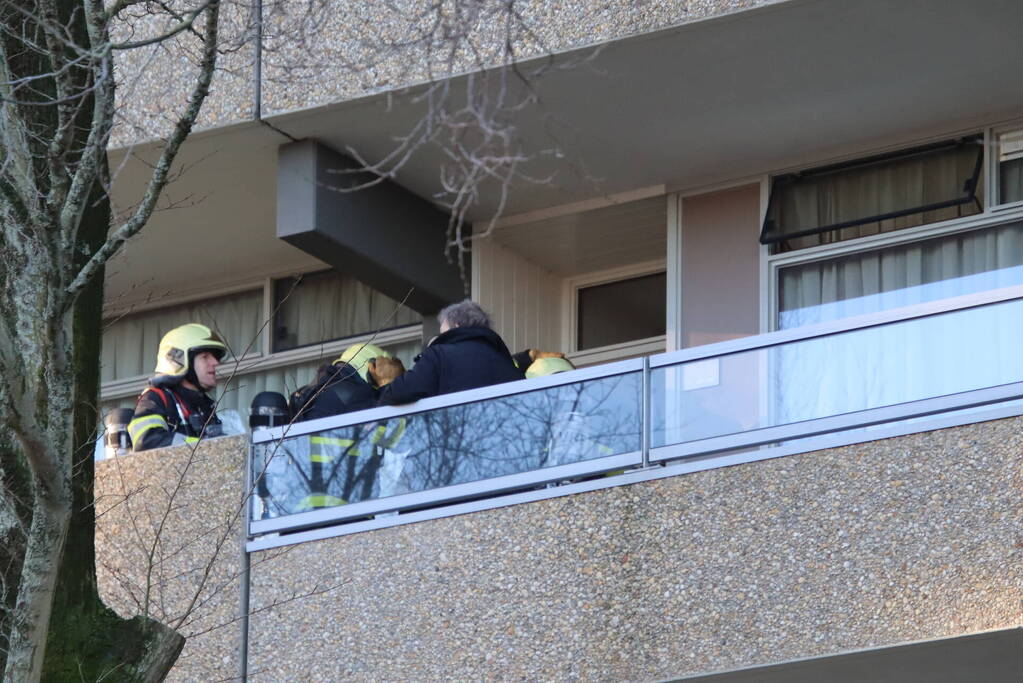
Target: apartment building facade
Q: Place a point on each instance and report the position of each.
(784, 243)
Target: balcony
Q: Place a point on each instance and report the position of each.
(914, 369)
(633, 520)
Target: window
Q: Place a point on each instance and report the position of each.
(1010, 167)
(130, 341)
(900, 275)
(894, 191)
(621, 311)
(320, 307)
(820, 272)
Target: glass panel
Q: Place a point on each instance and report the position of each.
(892, 277)
(455, 445)
(622, 311)
(130, 342)
(1010, 167)
(841, 373)
(320, 307)
(882, 194)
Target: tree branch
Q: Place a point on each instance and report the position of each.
(185, 24)
(163, 166)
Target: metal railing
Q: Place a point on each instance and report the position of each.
(756, 393)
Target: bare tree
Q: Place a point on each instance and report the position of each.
(57, 232)
(57, 112)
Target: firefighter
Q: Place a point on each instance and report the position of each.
(345, 461)
(175, 408)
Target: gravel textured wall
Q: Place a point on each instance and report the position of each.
(168, 542)
(910, 538)
(316, 52)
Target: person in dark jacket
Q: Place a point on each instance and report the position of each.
(341, 387)
(175, 408)
(465, 355)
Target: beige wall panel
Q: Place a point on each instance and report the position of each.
(899, 540)
(720, 255)
(523, 299)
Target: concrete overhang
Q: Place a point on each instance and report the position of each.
(724, 97)
(708, 101)
(992, 657)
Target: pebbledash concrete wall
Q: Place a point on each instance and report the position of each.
(169, 544)
(904, 539)
(317, 53)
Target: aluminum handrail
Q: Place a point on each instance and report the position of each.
(446, 494)
(840, 422)
(423, 405)
(769, 339)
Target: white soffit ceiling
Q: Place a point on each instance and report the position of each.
(594, 240)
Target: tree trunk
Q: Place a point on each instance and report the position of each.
(87, 640)
(27, 639)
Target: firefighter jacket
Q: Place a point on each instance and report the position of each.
(172, 415)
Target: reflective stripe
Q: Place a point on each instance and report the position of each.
(140, 425)
(321, 500)
(383, 439)
(331, 441)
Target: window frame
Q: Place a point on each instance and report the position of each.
(993, 166)
(875, 160)
(628, 349)
(991, 216)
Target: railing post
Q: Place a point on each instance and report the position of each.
(245, 582)
(645, 426)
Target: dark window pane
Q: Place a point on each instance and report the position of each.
(1011, 181)
(320, 307)
(622, 311)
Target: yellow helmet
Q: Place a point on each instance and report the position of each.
(357, 356)
(179, 346)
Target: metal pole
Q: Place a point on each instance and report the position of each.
(243, 606)
(645, 435)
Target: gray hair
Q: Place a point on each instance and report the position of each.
(465, 313)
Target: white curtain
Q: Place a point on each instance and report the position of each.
(872, 191)
(326, 306)
(901, 276)
(131, 341)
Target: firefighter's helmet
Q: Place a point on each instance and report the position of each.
(359, 355)
(179, 346)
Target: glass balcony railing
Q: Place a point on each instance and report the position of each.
(388, 458)
(739, 396)
(779, 391)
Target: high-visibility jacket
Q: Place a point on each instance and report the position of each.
(328, 475)
(169, 416)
